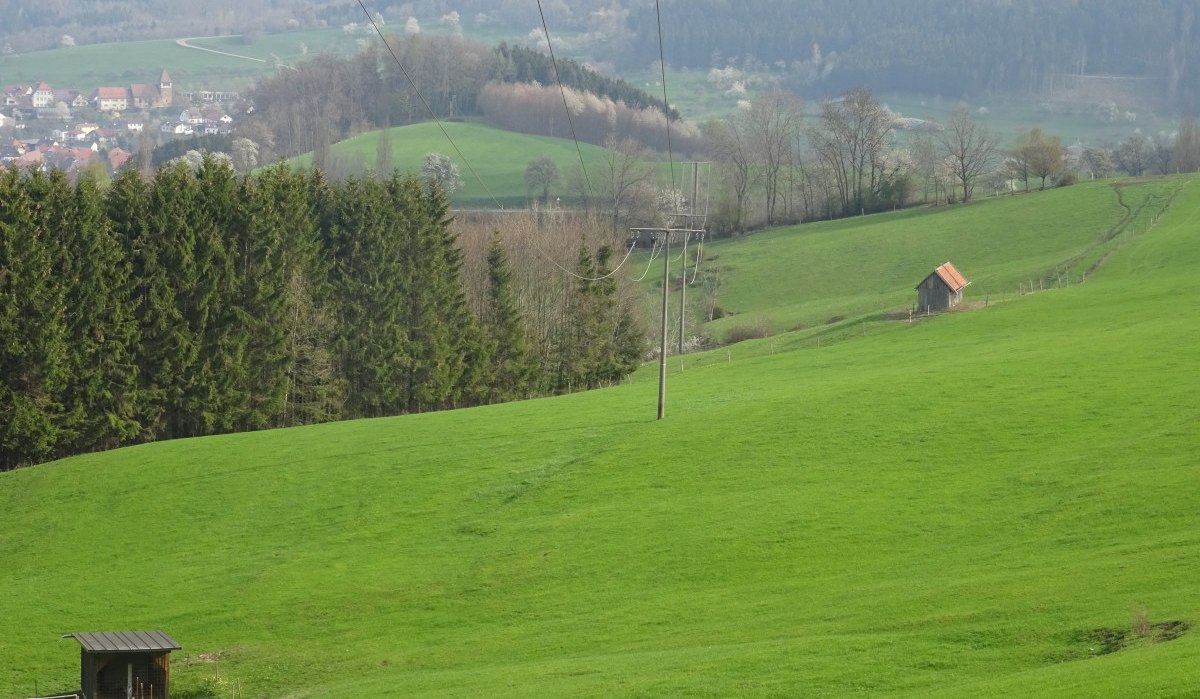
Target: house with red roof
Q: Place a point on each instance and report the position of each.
(941, 290)
(43, 96)
(111, 99)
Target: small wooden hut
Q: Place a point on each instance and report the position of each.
(125, 664)
(941, 290)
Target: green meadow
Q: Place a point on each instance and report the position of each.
(819, 273)
(997, 502)
(494, 165)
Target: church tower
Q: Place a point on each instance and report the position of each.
(166, 92)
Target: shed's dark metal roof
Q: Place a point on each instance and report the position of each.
(125, 641)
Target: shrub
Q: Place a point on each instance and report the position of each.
(755, 330)
(1068, 179)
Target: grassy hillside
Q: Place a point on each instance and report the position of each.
(978, 504)
(804, 276)
(498, 157)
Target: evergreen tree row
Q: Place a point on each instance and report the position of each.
(519, 64)
(200, 303)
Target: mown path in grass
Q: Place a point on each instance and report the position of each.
(957, 507)
(185, 43)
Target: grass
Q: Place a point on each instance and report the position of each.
(804, 276)
(498, 157)
(954, 508)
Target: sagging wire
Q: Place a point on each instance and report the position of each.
(566, 108)
(654, 249)
(429, 108)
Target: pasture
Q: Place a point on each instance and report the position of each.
(495, 159)
(818, 274)
(990, 503)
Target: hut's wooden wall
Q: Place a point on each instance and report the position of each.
(934, 295)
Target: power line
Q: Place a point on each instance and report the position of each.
(428, 108)
(653, 254)
(457, 150)
(662, 64)
(579, 150)
(699, 258)
(580, 277)
(563, 91)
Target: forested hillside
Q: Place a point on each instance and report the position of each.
(948, 47)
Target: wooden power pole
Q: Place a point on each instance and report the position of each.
(694, 225)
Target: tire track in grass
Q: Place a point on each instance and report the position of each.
(184, 42)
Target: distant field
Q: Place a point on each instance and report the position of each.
(995, 503)
(1008, 116)
(87, 67)
(498, 158)
(91, 66)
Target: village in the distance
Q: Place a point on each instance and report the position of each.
(73, 130)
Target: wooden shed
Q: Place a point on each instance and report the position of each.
(941, 290)
(125, 664)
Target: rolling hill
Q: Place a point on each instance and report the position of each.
(803, 276)
(498, 157)
(990, 503)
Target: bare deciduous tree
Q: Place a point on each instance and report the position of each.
(732, 148)
(1133, 156)
(618, 178)
(1185, 156)
(851, 140)
(970, 147)
(772, 124)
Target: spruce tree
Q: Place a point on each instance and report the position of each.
(434, 366)
(273, 211)
(34, 357)
(102, 329)
(151, 297)
(174, 312)
(363, 230)
(622, 339)
(511, 364)
(469, 353)
(218, 396)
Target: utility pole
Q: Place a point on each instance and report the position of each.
(694, 225)
(662, 343)
(693, 217)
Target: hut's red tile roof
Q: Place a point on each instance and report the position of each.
(951, 276)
